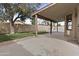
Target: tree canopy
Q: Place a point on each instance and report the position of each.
(23, 10)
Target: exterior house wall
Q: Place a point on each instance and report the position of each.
(74, 33)
(74, 24)
(77, 23)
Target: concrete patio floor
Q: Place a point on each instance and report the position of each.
(42, 45)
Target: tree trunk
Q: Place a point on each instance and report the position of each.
(12, 29)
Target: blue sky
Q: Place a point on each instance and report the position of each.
(42, 5)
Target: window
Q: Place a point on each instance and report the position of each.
(69, 22)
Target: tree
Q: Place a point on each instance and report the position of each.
(33, 7)
(1, 12)
(23, 10)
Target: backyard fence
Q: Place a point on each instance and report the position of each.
(5, 28)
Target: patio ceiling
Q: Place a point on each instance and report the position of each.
(56, 11)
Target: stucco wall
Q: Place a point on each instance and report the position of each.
(5, 28)
(77, 31)
(43, 28)
(75, 25)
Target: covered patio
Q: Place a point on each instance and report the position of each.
(57, 12)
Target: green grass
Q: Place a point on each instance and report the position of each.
(8, 37)
(20, 35)
(4, 38)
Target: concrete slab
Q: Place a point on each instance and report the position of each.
(13, 49)
(39, 46)
(45, 46)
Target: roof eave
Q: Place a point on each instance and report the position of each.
(36, 12)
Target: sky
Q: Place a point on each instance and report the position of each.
(42, 5)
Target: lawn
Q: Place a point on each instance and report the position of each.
(8, 37)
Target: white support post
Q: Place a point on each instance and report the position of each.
(36, 25)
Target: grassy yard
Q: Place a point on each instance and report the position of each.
(8, 37)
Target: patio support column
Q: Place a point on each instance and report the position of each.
(36, 25)
(50, 27)
(77, 24)
(74, 23)
(57, 26)
(65, 28)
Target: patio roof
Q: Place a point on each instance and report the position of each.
(56, 12)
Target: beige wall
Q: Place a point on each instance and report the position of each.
(5, 28)
(74, 23)
(77, 31)
(43, 28)
(74, 33)
(24, 28)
